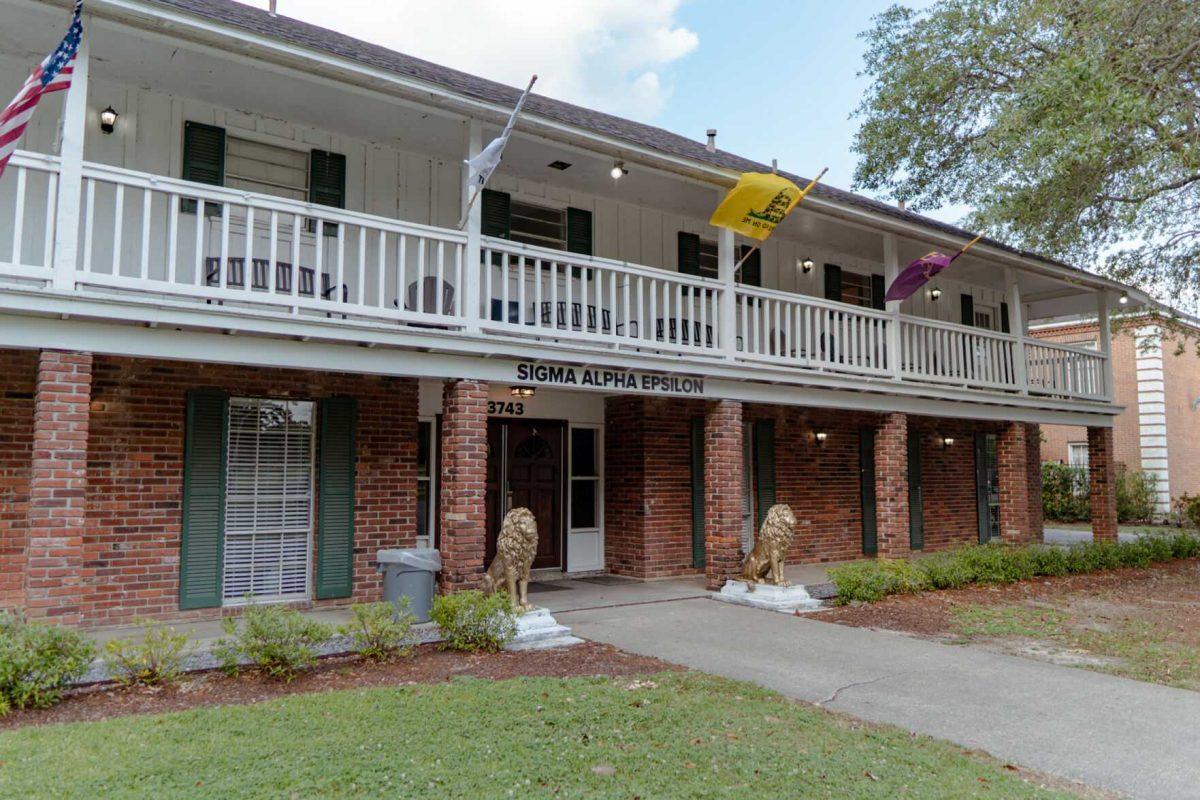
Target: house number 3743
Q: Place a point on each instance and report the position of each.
(509, 409)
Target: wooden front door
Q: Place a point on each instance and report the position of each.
(525, 469)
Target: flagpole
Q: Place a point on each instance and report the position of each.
(512, 120)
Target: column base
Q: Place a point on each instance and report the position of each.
(784, 599)
(538, 630)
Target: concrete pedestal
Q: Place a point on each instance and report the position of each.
(786, 599)
(538, 630)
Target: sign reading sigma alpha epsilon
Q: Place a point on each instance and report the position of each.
(556, 375)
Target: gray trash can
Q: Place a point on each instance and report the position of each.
(411, 574)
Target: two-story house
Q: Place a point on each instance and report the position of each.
(246, 342)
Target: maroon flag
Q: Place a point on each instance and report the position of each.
(919, 272)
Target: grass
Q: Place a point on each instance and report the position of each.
(674, 735)
(1142, 649)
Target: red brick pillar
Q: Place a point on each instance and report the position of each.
(891, 486)
(723, 474)
(58, 487)
(463, 511)
(1012, 459)
(1102, 476)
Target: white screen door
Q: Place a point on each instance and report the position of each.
(269, 500)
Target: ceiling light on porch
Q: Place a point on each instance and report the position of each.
(821, 436)
(108, 120)
(618, 169)
(947, 441)
(1124, 298)
(935, 293)
(805, 265)
(524, 392)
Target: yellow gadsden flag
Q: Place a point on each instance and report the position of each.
(759, 202)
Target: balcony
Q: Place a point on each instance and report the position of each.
(151, 238)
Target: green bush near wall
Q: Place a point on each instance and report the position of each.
(870, 581)
(1066, 494)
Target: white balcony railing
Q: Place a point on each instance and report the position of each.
(155, 237)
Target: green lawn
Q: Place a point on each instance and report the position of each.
(669, 736)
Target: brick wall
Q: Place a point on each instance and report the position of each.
(948, 479)
(1102, 481)
(463, 488)
(17, 371)
(723, 481)
(135, 468)
(891, 486)
(1181, 374)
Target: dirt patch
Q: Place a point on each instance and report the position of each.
(428, 665)
(1140, 623)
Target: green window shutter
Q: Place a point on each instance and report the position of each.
(579, 231)
(866, 470)
(968, 309)
(496, 214)
(764, 466)
(750, 273)
(1005, 325)
(203, 532)
(916, 492)
(335, 497)
(689, 253)
(203, 162)
(833, 283)
(878, 291)
(697, 432)
(327, 179)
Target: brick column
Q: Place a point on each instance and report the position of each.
(58, 487)
(723, 474)
(463, 511)
(1102, 476)
(891, 486)
(1012, 459)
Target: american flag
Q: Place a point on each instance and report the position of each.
(52, 75)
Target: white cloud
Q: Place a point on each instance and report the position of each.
(614, 55)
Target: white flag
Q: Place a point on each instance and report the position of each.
(481, 167)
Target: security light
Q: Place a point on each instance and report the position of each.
(1124, 298)
(935, 293)
(806, 265)
(821, 436)
(108, 120)
(947, 441)
(618, 169)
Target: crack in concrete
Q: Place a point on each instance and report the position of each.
(840, 689)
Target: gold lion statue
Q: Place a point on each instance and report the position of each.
(764, 564)
(515, 549)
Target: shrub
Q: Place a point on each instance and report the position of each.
(474, 621)
(1065, 492)
(157, 659)
(996, 563)
(380, 631)
(869, 581)
(38, 662)
(276, 639)
(1188, 508)
(944, 571)
(1137, 491)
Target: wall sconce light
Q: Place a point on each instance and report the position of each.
(524, 392)
(947, 441)
(805, 265)
(108, 120)
(935, 293)
(821, 436)
(618, 169)
(1124, 298)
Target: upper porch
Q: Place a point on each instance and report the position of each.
(317, 209)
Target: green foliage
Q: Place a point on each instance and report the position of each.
(1064, 492)
(1188, 508)
(1137, 491)
(474, 621)
(277, 639)
(157, 659)
(380, 631)
(1069, 128)
(38, 662)
(870, 581)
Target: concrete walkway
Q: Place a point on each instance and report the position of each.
(1136, 738)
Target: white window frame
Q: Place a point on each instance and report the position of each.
(432, 480)
(598, 479)
(1072, 459)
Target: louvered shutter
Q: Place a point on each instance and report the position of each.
(750, 273)
(764, 466)
(203, 162)
(866, 471)
(579, 231)
(967, 303)
(689, 253)
(327, 183)
(496, 214)
(878, 292)
(335, 504)
(1005, 325)
(697, 437)
(833, 283)
(203, 530)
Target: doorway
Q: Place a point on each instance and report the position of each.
(987, 486)
(525, 469)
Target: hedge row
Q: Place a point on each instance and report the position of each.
(869, 581)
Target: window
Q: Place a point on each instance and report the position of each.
(538, 225)
(708, 258)
(266, 168)
(984, 317)
(856, 289)
(268, 500)
(426, 489)
(1077, 454)
(585, 479)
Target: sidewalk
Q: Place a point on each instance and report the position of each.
(1117, 734)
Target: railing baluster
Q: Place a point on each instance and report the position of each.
(89, 224)
(172, 235)
(51, 206)
(520, 290)
(362, 265)
(537, 293)
(273, 254)
(198, 251)
(248, 251)
(118, 228)
(439, 299)
(295, 277)
(339, 294)
(402, 274)
(223, 267)
(19, 216)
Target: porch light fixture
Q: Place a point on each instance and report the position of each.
(1124, 298)
(935, 293)
(524, 392)
(805, 265)
(947, 441)
(108, 120)
(821, 436)
(618, 170)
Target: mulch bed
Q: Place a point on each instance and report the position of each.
(930, 613)
(428, 665)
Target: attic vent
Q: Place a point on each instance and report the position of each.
(559, 165)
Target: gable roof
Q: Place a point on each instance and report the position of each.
(306, 35)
